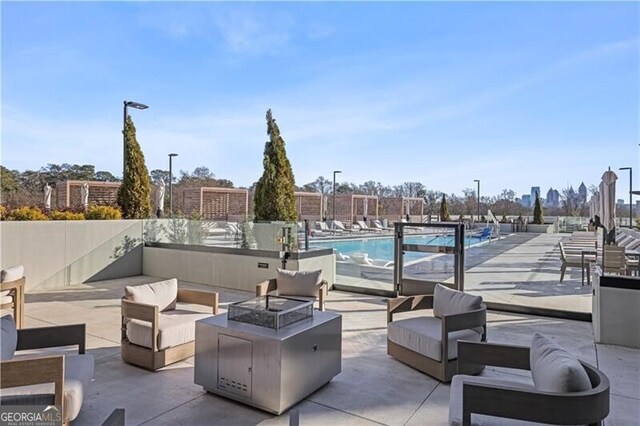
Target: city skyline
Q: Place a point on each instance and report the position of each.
(500, 92)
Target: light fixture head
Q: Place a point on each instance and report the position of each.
(135, 105)
(173, 155)
(625, 168)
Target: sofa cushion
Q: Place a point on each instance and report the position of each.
(298, 283)
(78, 372)
(455, 400)
(162, 294)
(12, 274)
(424, 336)
(450, 302)
(554, 369)
(8, 337)
(174, 328)
(4, 299)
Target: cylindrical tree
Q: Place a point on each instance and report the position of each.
(134, 196)
(538, 217)
(274, 197)
(444, 210)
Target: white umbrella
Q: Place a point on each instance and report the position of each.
(159, 196)
(408, 207)
(324, 206)
(365, 206)
(608, 202)
(84, 195)
(47, 196)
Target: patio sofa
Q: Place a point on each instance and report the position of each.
(12, 282)
(155, 332)
(25, 379)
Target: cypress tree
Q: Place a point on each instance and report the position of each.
(274, 197)
(538, 217)
(444, 210)
(134, 196)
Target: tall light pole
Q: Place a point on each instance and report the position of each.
(478, 194)
(335, 172)
(630, 193)
(127, 104)
(171, 184)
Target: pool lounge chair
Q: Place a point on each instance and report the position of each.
(325, 229)
(364, 227)
(378, 225)
(339, 225)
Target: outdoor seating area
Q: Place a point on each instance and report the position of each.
(383, 386)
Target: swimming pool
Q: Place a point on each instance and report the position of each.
(382, 248)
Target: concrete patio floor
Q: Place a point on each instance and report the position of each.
(373, 388)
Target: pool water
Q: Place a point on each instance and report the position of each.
(382, 248)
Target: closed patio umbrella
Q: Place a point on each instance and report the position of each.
(84, 195)
(365, 207)
(159, 197)
(47, 196)
(608, 200)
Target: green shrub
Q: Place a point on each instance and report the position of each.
(3, 212)
(134, 195)
(27, 213)
(102, 213)
(538, 217)
(66, 215)
(274, 197)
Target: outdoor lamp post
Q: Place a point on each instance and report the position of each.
(127, 104)
(171, 185)
(335, 172)
(478, 193)
(630, 194)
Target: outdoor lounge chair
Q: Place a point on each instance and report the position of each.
(154, 332)
(378, 225)
(337, 224)
(429, 343)
(299, 284)
(563, 391)
(574, 259)
(364, 227)
(326, 230)
(27, 379)
(12, 284)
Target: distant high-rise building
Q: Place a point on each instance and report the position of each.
(535, 192)
(582, 192)
(553, 198)
(526, 200)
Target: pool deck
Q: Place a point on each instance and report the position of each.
(373, 388)
(520, 269)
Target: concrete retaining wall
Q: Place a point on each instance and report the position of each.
(222, 268)
(57, 254)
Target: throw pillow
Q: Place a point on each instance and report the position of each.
(8, 337)
(554, 369)
(298, 283)
(450, 302)
(163, 294)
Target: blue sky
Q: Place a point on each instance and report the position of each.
(513, 94)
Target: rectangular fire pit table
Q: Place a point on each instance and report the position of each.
(259, 365)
